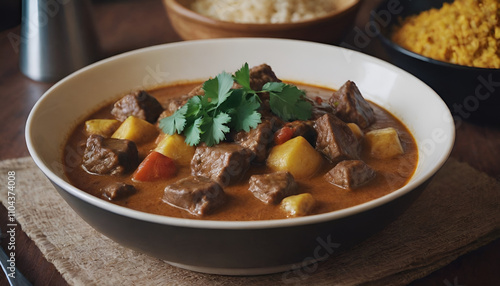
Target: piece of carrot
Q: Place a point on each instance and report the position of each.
(155, 166)
(283, 135)
(318, 100)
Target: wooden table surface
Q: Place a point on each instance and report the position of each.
(130, 24)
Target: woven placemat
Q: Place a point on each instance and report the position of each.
(457, 213)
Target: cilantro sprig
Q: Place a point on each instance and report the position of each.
(222, 108)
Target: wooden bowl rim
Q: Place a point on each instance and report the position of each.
(185, 12)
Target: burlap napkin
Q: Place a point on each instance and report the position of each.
(458, 212)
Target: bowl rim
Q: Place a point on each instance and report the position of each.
(233, 225)
(383, 35)
(188, 13)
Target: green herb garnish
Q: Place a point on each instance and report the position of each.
(209, 117)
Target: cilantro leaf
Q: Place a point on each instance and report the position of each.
(211, 88)
(274, 87)
(242, 77)
(303, 110)
(193, 107)
(209, 117)
(193, 132)
(225, 84)
(244, 113)
(218, 89)
(176, 122)
(248, 118)
(287, 101)
(215, 128)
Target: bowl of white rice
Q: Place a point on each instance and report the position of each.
(324, 21)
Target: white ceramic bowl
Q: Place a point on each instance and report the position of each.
(249, 247)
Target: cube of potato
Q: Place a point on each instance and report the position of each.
(175, 147)
(384, 143)
(296, 156)
(103, 127)
(298, 205)
(136, 129)
(356, 130)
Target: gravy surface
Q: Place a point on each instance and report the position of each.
(241, 204)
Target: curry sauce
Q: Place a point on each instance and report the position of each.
(241, 204)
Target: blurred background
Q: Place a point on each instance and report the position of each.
(10, 13)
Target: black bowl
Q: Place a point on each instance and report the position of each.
(472, 94)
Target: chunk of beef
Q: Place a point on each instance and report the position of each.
(109, 156)
(225, 163)
(195, 194)
(320, 107)
(351, 106)
(117, 191)
(350, 174)
(257, 140)
(335, 139)
(139, 104)
(272, 188)
(302, 128)
(268, 115)
(172, 104)
(260, 75)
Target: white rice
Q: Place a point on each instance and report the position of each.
(263, 11)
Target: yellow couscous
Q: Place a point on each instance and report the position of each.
(465, 32)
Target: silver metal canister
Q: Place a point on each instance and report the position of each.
(57, 38)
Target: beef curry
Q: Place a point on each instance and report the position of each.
(347, 152)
